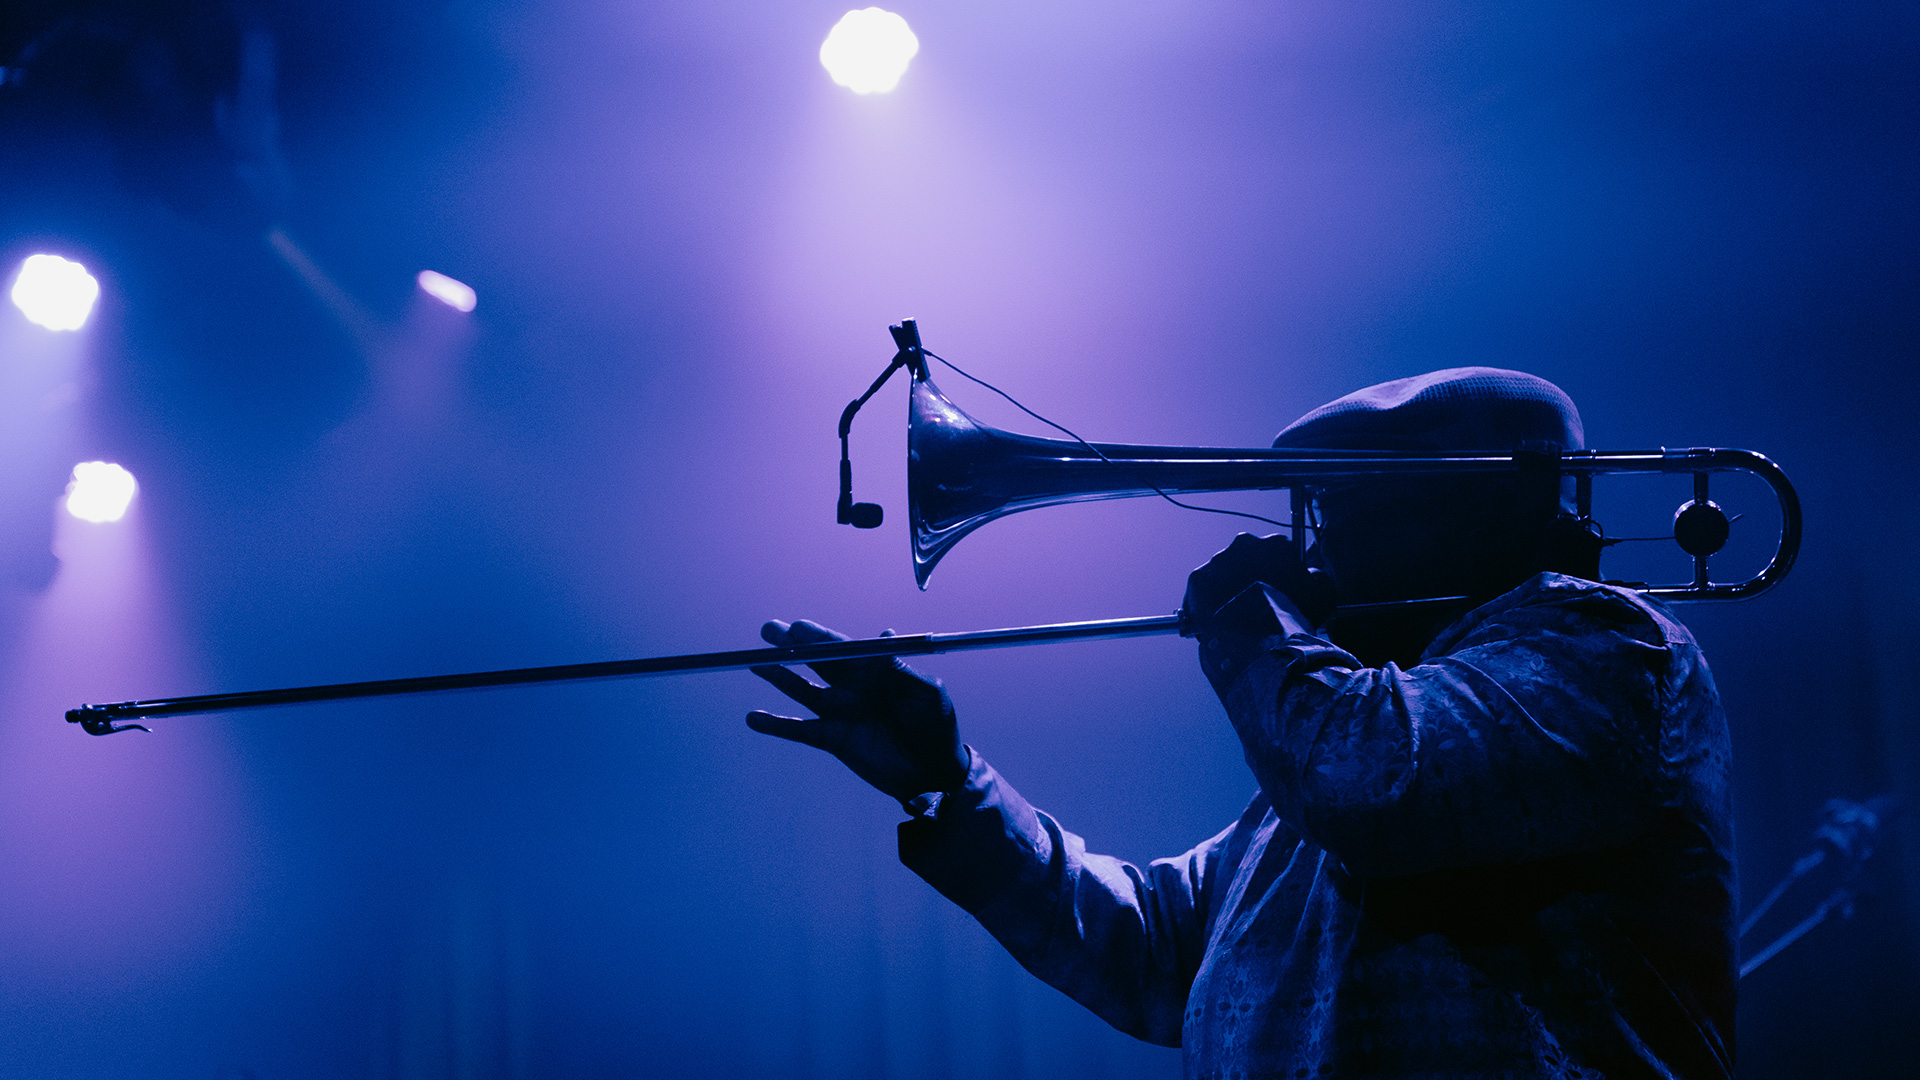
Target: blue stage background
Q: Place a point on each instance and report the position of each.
(1155, 222)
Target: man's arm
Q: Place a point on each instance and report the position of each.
(1123, 941)
(1537, 734)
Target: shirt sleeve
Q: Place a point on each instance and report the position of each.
(1121, 940)
(1537, 733)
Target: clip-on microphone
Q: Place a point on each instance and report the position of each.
(906, 337)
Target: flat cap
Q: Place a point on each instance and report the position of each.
(1469, 408)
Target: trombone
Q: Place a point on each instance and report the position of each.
(962, 473)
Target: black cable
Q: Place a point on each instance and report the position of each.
(1294, 528)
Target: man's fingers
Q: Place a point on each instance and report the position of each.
(790, 728)
(807, 632)
(824, 700)
(819, 734)
(797, 632)
(791, 684)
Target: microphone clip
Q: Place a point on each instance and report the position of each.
(910, 355)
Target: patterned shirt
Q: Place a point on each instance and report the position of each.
(1512, 859)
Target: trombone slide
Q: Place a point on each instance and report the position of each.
(108, 719)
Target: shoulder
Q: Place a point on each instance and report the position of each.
(1556, 605)
(1569, 647)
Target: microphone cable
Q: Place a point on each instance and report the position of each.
(1294, 529)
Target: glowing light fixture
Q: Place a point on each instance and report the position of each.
(55, 292)
(457, 295)
(867, 50)
(100, 491)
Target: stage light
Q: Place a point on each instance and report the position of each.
(99, 491)
(55, 292)
(457, 295)
(867, 51)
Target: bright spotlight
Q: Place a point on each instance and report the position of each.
(55, 292)
(867, 50)
(457, 295)
(99, 491)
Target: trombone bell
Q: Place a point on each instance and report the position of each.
(962, 473)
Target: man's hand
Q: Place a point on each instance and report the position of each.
(891, 725)
(1273, 560)
(1236, 622)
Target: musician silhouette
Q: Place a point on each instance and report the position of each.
(1492, 837)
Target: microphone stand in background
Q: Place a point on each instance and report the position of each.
(1843, 842)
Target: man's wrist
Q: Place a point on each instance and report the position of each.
(1244, 630)
(926, 804)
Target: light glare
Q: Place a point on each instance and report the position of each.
(867, 51)
(100, 491)
(54, 292)
(457, 295)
